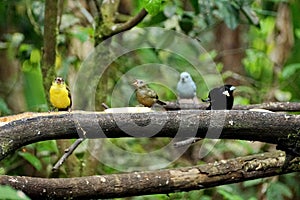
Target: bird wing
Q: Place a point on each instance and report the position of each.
(194, 86)
(69, 95)
(151, 93)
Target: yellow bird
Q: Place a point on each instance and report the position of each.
(60, 96)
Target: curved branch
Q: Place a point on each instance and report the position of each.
(118, 28)
(244, 125)
(154, 182)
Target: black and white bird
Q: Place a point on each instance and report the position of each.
(220, 98)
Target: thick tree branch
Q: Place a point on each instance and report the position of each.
(244, 125)
(272, 106)
(154, 182)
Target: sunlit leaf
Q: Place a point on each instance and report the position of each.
(35, 56)
(152, 6)
(290, 70)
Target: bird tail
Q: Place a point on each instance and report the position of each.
(161, 102)
(206, 100)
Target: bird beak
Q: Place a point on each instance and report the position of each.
(58, 81)
(134, 83)
(232, 88)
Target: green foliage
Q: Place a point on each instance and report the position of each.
(229, 195)
(4, 110)
(33, 83)
(25, 41)
(278, 191)
(152, 6)
(290, 70)
(9, 193)
(33, 160)
(229, 13)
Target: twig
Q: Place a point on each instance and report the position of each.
(67, 153)
(105, 106)
(84, 12)
(187, 141)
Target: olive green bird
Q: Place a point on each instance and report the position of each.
(145, 95)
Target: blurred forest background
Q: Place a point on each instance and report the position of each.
(254, 43)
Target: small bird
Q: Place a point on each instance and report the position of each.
(60, 95)
(145, 95)
(186, 88)
(220, 98)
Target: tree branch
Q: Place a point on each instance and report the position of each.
(118, 28)
(234, 124)
(154, 182)
(50, 33)
(272, 106)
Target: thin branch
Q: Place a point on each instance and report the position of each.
(118, 28)
(67, 153)
(84, 12)
(233, 124)
(154, 182)
(186, 142)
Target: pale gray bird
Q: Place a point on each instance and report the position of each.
(186, 88)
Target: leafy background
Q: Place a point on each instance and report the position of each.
(255, 73)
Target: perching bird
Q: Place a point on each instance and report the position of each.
(186, 88)
(145, 95)
(220, 98)
(60, 96)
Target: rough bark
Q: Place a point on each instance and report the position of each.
(234, 124)
(271, 106)
(50, 32)
(154, 182)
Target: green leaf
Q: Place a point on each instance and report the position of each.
(297, 33)
(252, 183)
(152, 6)
(290, 70)
(278, 191)
(35, 56)
(4, 110)
(231, 16)
(228, 13)
(195, 4)
(228, 195)
(33, 160)
(8, 192)
(26, 66)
